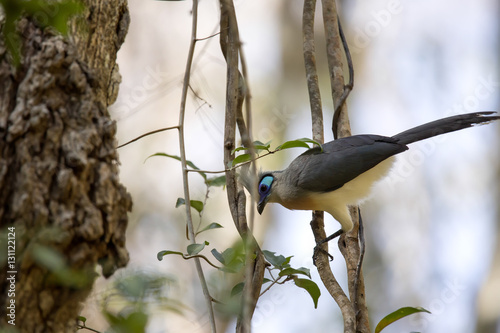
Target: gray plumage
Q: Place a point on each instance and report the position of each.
(344, 170)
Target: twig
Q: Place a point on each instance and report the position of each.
(317, 223)
(199, 97)
(202, 257)
(348, 87)
(254, 269)
(208, 37)
(275, 282)
(148, 133)
(311, 72)
(87, 328)
(185, 178)
(356, 314)
(361, 236)
(236, 166)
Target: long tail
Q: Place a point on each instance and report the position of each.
(444, 125)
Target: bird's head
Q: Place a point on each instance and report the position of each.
(262, 190)
(265, 189)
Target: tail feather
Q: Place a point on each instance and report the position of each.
(445, 125)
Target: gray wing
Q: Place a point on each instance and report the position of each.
(342, 160)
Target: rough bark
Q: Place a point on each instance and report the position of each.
(59, 185)
(317, 224)
(354, 309)
(236, 92)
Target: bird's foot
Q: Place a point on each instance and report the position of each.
(318, 249)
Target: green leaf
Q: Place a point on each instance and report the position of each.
(175, 157)
(234, 266)
(233, 260)
(55, 262)
(161, 254)
(180, 202)
(238, 149)
(290, 271)
(131, 322)
(216, 181)
(218, 256)
(211, 226)
(237, 289)
(292, 144)
(311, 287)
(229, 255)
(257, 145)
(196, 204)
(241, 159)
(81, 318)
(262, 147)
(278, 261)
(396, 315)
(194, 249)
(298, 143)
(49, 258)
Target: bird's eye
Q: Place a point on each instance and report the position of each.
(265, 185)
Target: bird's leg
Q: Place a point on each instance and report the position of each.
(361, 238)
(318, 248)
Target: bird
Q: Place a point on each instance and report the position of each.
(342, 172)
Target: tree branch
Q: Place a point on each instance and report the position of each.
(235, 95)
(185, 178)
(317, 224)
(348, 87)
(146, 134)
(348, 243)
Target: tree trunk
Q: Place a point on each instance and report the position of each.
(60, 197)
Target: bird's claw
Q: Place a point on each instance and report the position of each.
(317, 249)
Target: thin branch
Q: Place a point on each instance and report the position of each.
(361, 236)
(207, 171)
(235, 93)
(309, 50)
(288, 278)
(334, 56)
(148, 133)
(317, 224)
(254, 269)
(199, 97)
(348, 87)
(236, 166)
(208, 37)
(185, 178)
(202, 257)
(356, 313)
(87, 328)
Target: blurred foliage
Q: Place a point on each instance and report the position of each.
(128, 304)
(60, 272)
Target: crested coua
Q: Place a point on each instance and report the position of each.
(342, 172)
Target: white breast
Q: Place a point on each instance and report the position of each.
(352, 193)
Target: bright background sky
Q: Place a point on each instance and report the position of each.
(430, 227)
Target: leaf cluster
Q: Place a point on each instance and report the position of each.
(260, 147)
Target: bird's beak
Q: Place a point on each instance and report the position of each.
(262, 203)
